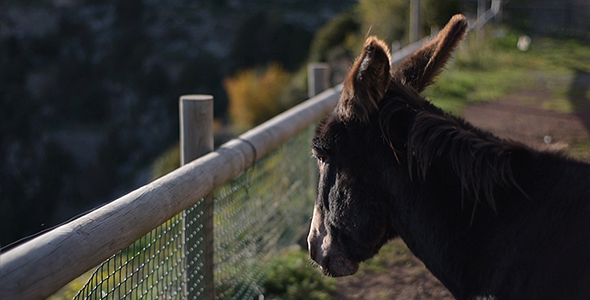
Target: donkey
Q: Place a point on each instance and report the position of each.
(490, 218)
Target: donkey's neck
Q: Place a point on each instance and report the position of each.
(455, 174)
(444, 236)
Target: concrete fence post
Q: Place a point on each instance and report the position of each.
(196, 140)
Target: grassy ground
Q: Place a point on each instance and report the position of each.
(492, 68)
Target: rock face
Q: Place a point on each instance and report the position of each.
(89, 89)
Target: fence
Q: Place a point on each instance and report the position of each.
(39, 267)
(265, 209)
(155, 242)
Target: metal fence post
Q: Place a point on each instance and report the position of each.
(196, 139)
(318, 78)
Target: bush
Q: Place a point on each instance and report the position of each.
(253, 95)
(436, 13)
(166, 162)
(386, 19)
(334, 33)
(292, 277)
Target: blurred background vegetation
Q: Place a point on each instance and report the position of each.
(89, 89)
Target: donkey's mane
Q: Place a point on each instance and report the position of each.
(480, 160)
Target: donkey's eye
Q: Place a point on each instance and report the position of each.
(321, 158)
(320, 155)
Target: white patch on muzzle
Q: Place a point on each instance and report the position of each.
(331, 260)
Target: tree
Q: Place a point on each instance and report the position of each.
(387, 19)
(437, 13)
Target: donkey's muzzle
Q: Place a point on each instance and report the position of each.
(331, 260)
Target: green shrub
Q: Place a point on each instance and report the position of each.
(167, 162)
(386, 19)
(334, 33)
(436, 13)
(292, 277)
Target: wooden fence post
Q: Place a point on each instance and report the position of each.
(318, 78)
(196, 140)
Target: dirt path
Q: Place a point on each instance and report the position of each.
(519, 116)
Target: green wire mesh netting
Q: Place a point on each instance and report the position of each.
(265, 210)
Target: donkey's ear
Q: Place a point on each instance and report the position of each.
(366, 83)
(419, 69)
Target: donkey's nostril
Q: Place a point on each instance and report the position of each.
(312, 251)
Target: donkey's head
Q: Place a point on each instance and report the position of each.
(357, 164)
